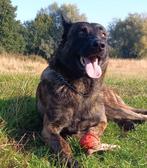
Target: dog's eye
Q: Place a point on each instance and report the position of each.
(83, 31)
(103, 34)
(101, 28)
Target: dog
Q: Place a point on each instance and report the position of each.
(71, 95)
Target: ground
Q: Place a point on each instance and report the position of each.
(21, 145)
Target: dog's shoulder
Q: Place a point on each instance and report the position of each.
(47, 74)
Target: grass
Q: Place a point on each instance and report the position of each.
(127, 68)
(21, 64)
(21, 145)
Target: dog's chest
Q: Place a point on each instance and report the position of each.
(83, 110)
(84, 116)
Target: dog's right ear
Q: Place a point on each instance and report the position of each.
(66, 26)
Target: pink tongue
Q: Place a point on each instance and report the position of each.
(93, 70)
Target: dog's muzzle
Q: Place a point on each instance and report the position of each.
(98, 45)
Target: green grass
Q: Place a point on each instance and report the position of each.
(21, 145)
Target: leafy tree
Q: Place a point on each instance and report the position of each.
(127, 37)
(44, 33)
(69, 11)
(11, 39)
(143, 40)
(37, 34)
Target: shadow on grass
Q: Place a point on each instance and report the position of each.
(22, 122)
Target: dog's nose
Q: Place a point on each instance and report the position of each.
(98, 44)
(95, 43)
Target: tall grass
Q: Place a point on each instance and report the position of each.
(127, 68)
(35, 64)
(21, 64)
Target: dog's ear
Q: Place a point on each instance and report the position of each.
(66, 26)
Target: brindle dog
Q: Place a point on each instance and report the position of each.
(71, 96)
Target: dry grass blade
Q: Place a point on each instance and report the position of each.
(21, 64)
(35, 65)
(127, 68)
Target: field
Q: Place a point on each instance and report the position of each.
(21, 145)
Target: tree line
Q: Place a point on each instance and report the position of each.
(41, 36)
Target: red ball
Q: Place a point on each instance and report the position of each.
(88, 141)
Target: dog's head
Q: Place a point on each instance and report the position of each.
(83, 49)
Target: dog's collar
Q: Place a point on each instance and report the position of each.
(60, 78)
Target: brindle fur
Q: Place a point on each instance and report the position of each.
(64, 111)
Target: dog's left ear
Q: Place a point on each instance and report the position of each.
(66, 26)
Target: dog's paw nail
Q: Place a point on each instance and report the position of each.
(90, 151)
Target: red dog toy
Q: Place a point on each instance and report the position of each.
(89, 141)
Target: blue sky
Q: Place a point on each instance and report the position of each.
(101, 11)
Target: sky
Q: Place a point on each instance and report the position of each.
(99, 11)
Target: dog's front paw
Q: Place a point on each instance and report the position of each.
(102, 147)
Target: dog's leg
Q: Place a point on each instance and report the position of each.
(98, 131)
(58, 145)
(125, 118)
(142, 111)
(120, 113)
(116, 109)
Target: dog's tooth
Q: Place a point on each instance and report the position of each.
(99, 61)
(82, 61)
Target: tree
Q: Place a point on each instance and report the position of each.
(143, 40)
(11, 39)
(43, 34)
(69, 11)
(37, 35)
(127, 36)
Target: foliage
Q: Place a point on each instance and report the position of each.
(11, 39)
(41, 36)
(143, 39)
(37, 35)
(128, 37)
(44, 33)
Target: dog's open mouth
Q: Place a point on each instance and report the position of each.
(92, 66)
